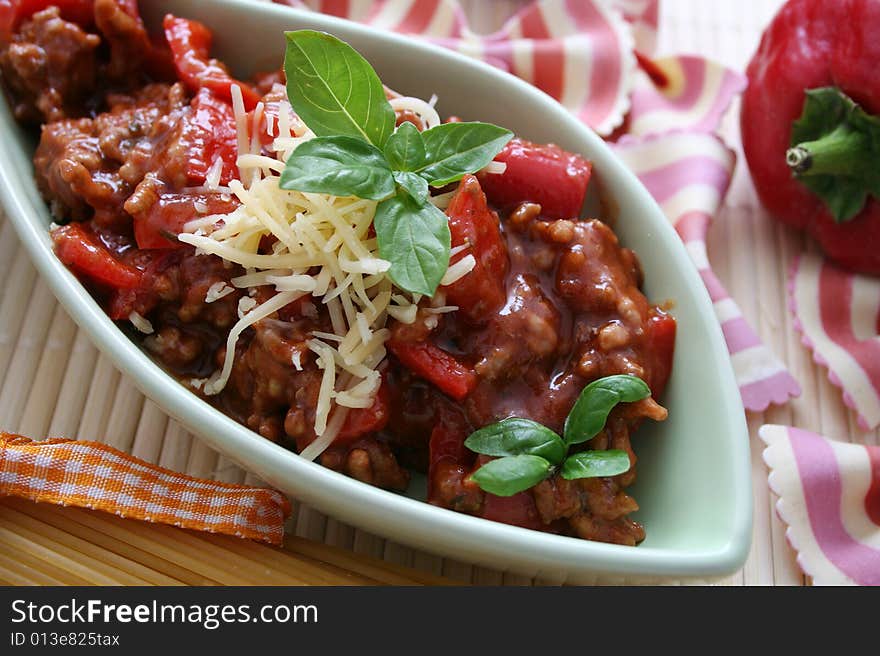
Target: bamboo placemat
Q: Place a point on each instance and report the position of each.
(54, 382)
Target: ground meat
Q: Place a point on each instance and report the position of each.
(174, 347)
(265, 380)
(369, 460)
(453, 488)
(524, 331)
(127, 39)
(620, 531)
(574, 313)
(50, 68)
(69, 170)
(86, 167)
(596, 275)
(594, 508)
(186, 286)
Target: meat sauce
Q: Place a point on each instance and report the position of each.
(552, 303)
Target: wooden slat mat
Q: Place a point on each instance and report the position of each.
(47, 544)
(54, 382)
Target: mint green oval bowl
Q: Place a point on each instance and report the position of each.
(694, 484)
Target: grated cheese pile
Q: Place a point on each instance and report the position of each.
(322, 248)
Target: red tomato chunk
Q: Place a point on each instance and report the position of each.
(190, 43)
(84, 253)
(159, 226)
(544, 174)
(208, 135)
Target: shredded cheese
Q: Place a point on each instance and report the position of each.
(212, 179)
(217, 291)
(245, 305)
(322, 252)
(424, 110)
(141, 323)
(495, 168)
(441, 201)
(459, 270)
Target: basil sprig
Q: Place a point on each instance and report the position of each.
(358, 152)
(529, 452)
(516, 436)
(511, 474)
(590, 412)
(414, 240)
(334, 90)
(342, 166)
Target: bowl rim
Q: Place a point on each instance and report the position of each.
(484, 541)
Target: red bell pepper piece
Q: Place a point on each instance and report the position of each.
(80, 250)
(436, 366)
(661, 342)
(143, 298)
(447, 438)
(447, 454)
(209, 133)
(517, 510)
(813, 44)
(544, 174)
(159, 226)
(190, 43)
(481, 292)
(364, 421)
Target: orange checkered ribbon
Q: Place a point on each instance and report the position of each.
(93, 475)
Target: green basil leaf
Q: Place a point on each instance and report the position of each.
(414, 237)
(516, 436)
(453, 149)
(405, 148)
(341, 166)
(590, 412)
(334, 90)
(595, 464)
(507, 476)
(413, 184)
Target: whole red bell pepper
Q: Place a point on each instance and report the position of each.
(811, 125)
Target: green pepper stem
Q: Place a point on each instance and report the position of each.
(844, 151)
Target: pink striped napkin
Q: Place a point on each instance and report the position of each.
(838, 316)
(829, 496)
(582, 52)
(578, 51)
(688, 173)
